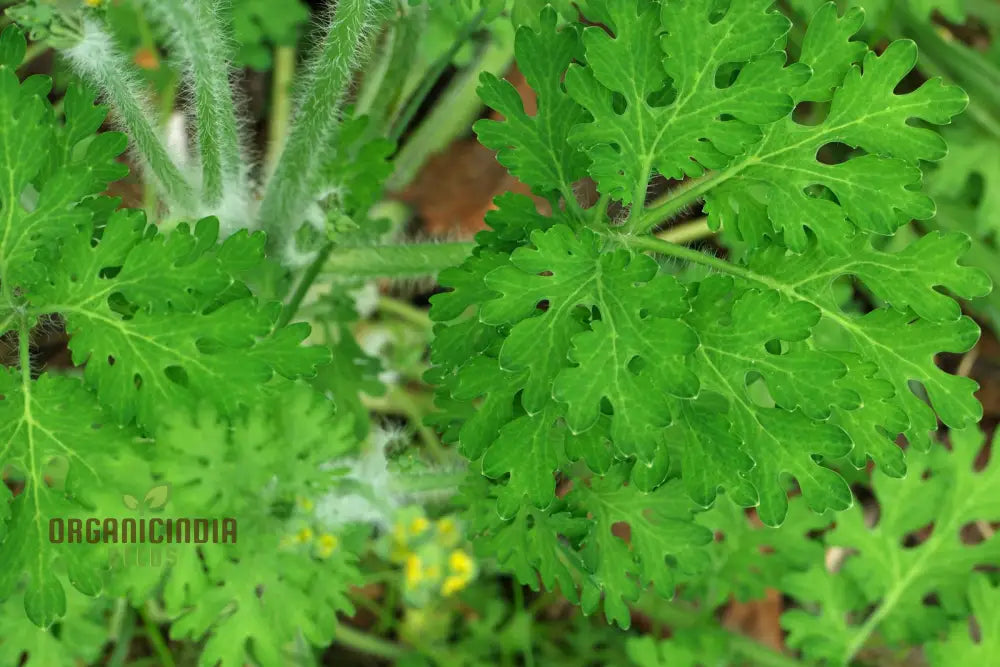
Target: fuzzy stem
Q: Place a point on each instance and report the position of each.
(395, 261)
(672, 203)
(693, 230)
(324, 89)
(197, 34)
(98, 60)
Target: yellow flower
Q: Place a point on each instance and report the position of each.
(305, 504)
(453, 584)
(460, 563)
(304, 535)
(414, 571)
(447, 529)
(419, 525)
(326, 544)
(93, 3)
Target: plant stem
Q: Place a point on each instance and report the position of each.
(689, 231)
(198, 36)
(406, 312)
(432, 75)
(395, 260)
(305, 282)
(97, 59)
(366, 643)
(281, 102)
(324, 89)
(432, 481)
(156, 639)
(672, 203)
(33, 51)
(453, 112)
(123, 633)
(384, 107)
(690, 254)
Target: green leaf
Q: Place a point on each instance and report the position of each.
(535, 148)
(175, 342)
(568, 271)
(943, 490)
(671, 124)
(959, 647)
(48, 424)
(247, 601)
(771, 191)
(595, 561)
(69, 644)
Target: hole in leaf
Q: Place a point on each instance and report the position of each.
(137, 381)
(820, 191)
(208, 346)
(177, 375)
(835, 152)
(811, 113)
(618, 103)
(111, 360)
(621, 529)
(917, 537)
(773, 346)
(663, 97)
(726, 74)
(975, 532)
(718, 11)
(636, 365)
(973, 189)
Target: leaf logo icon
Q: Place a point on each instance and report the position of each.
(154, 499)
(157, 497)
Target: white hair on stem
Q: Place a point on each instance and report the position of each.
(98, 60)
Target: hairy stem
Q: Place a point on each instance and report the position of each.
(98, 60)
(324, 89)
(689, 231)
(395, 261)
(672, 203)
(198, 37)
